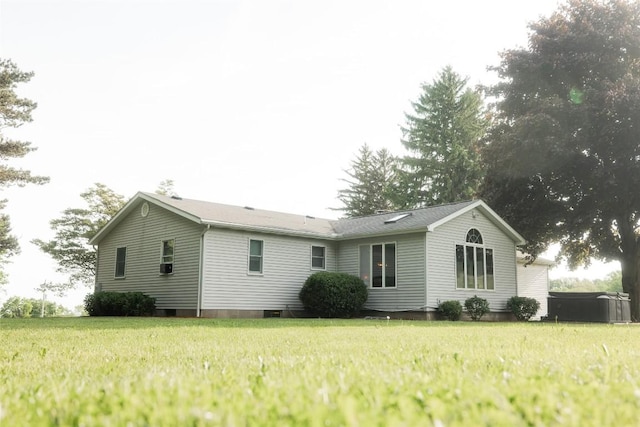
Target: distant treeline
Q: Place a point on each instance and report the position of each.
(32, 307)
(611, 283)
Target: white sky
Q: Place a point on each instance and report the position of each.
(260, 103)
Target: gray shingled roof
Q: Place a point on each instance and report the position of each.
(418, 219)
(243, 218)
(216, 213)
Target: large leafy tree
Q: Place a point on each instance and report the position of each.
(69, 248)
(372, 184)
(14, 112)
(442, 136)
(564, 153)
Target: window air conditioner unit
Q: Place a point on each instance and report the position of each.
(166, 268)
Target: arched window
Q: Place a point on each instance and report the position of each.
(474, 263)
(474, 236)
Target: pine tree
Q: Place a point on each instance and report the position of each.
(372, 184)
(443, 136)
(14, 112)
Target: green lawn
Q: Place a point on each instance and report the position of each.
(189, 372)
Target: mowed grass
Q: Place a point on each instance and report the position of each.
(286, 372)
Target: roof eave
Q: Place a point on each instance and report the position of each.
(269, 230)
(343, 237)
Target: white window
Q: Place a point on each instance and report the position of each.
(255, 256)
(167, 256)
(378, 265)
(318, 257)
(474, 263)
(168, 247)
(121, 260)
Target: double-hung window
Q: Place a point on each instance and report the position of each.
(378, 265)
(255, 256)
(167, 256)
(167, 251)
(474, 263)
(121, 261)
(318, 257)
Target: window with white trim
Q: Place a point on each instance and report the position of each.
(167, 256)
(474, 263)
(255, 256)
(378, 265)
(168, 247)
(318, 257)
(121, 261)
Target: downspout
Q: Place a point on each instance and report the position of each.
(515, 256)
(426, 273)
(200, 271)
(96, 285)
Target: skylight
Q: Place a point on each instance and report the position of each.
(397, 218)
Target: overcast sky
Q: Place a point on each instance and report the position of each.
(260, 103)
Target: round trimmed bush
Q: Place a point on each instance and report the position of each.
(327, 294)
(523, 308)
(476, 307)
(451, 310)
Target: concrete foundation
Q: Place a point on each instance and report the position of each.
(434, 315)
(301, 314)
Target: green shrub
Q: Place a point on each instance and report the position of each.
(476, 307)
(451, 310)
(328, 294)
(119, 304)
(523, 308)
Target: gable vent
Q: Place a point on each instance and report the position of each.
(397, 218)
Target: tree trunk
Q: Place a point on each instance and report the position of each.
(630, 265)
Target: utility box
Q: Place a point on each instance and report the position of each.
(603, 307)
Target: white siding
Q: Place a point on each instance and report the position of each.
(227, 283)
(441, 261)
(409, 293)
(533, 282)
(143, 236)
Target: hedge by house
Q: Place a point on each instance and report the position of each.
(476, 307)
(328, 294)
(450, 310)
(119, 304)
(523, 308)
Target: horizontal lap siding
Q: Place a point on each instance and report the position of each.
(286, 265)
(409, 294)
(143, 238)
(441, 261)
(533, 282)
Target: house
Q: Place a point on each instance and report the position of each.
(212, 260)
(533, 281)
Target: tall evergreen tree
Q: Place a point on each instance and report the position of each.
(442, 136)
(564, 154)
(14, 112)
(372, 184)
